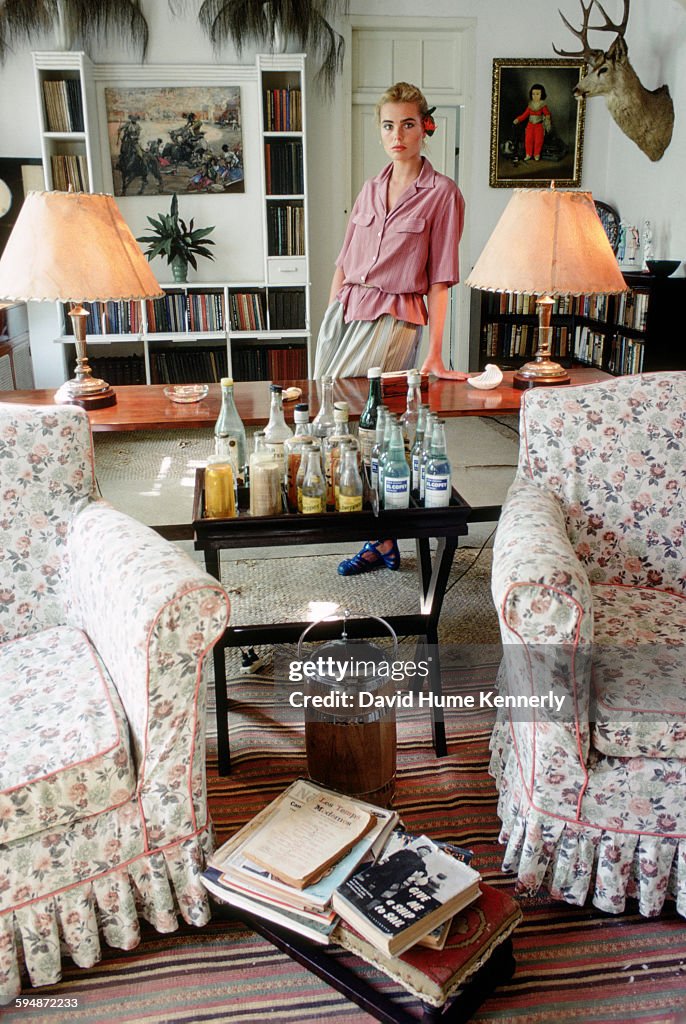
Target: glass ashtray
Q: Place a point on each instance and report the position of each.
(184, 394)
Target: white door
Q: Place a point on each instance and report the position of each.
(435, 61)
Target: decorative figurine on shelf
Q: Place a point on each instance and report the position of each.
(648, 251)
(629, 244)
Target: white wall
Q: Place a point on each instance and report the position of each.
(614, 169)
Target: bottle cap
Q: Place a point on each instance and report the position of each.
(302, 407)
(414, 377)
(374, 371)
(226, 382)
(275, 388)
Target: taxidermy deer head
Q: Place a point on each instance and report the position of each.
(646, 117)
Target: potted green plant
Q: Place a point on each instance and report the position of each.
(178, 241)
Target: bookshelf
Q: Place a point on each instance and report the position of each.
(621, 334)
(201, 330)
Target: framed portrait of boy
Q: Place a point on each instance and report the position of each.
(537, 123)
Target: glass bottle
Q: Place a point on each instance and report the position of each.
(416, 451)
(396, 473)
(314, 485)
(230, 424)
(323, 421)
(377, 447)
(301, 419)
(368, 417)
(266, 475)
(293, 448)
(438, 478)
(220, 481)
(332, 443)
(347, 444)
(277, 430)
(350, 486)
(408, 420)
(302, 470)
(426, 447)
(391, 419)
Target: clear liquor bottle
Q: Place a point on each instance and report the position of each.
(323, 421)
(331, 445)
(438, 479)
(367, 426)
(377, 447)
(302, 470)
(229, 424)
(416, 451)
(350, 487)
(314, 485)
(391, 419)
(426, 448)
(396, 473)
(277, 431)
(408, 420)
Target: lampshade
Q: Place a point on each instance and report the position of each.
(73, 247)
(548, 242)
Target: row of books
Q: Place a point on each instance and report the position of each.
(286, 229)
(114, 317)
(186, 311)
(283, 164)
(286, 309)
(247, 311)
(63, 105)
(188, 366)
(508, 341)
(119, 370)
(632, 310)
(283, 110)
(594, 307)
(313, 856)
(68, 169)
(626, 355)
(589, 345)
(284, 363)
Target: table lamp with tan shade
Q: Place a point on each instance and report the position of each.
(75, 247)
(547, 243)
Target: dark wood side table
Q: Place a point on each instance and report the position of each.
(447, 525)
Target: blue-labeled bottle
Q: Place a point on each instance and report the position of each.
(438, 477)
(377, 447)
(416, 451)
(396, 473)
(391, 419)
(426, 448)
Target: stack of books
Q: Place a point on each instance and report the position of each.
(313, 855)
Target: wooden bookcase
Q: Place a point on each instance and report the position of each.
(621, 334)
(202, 330)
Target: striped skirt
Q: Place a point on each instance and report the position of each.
(348, 350)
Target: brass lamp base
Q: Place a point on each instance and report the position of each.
(540, 373)
(68, 394)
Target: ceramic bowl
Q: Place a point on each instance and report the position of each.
(184, 394)
(662, 268)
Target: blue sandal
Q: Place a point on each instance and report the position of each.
(369, 558)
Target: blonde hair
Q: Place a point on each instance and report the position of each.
(402, 92)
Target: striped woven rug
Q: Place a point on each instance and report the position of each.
(573, 965)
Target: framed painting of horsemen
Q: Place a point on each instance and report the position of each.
(537, 123)
(175, 139)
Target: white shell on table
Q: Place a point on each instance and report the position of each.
(291, 394)
(490, 378)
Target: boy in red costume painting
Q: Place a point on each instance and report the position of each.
(540, 121)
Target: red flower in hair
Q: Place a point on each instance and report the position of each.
(428, 123)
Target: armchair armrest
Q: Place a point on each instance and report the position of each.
(152, 615)
(540, 589)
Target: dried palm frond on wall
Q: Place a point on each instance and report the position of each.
(75, 23)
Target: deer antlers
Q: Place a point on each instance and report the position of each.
(588, 52)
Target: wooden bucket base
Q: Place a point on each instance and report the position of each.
(356, 758)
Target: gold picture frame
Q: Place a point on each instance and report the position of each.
(547, 143)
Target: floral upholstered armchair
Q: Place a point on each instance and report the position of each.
(589, 581)
(104, 632)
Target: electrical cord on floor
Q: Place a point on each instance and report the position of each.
(503, 423)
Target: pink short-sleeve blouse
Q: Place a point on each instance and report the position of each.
(390, 260)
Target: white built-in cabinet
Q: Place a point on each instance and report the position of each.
(222, 322)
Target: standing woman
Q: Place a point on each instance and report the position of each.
(395, 269)
(399, 256)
